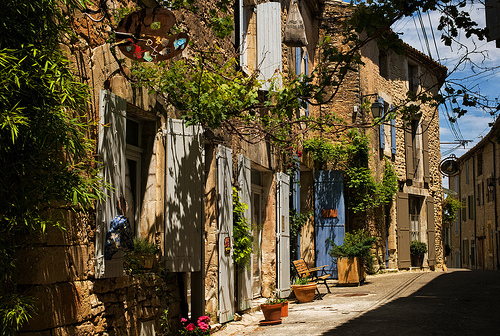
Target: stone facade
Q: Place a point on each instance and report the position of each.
(473, 238)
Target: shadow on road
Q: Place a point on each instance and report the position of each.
(461, 302)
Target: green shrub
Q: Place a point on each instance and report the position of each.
(418, 248)
(356, 244)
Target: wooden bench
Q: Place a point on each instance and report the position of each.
(312, 273)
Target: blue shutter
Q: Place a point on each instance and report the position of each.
(298, 61)
(306, 71)
(382, 136)
(393, 136)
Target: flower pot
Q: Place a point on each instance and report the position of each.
(417, 260)
(350, 271)
(147, 260)
(272, 312)
(304, 293)
(284, 309)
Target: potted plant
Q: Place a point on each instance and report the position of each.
(304, 290)
(142, 257)
(417, 251)
(272, 309)
(353, 257)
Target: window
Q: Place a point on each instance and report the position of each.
(415, 137)
(413, 81)
(302, 67)
(465, 252)
(415, 208)
(479, 163)
(479, 194)
(470, 206)
(383, 64)
(464, 209)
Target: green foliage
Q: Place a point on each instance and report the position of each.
(301, 281)
(44, 149)
(323, 151)
(143, 245)
(272, 300)
(451, 206)
(356, 244)
(418, 248)
(297, 221)
(242, 233)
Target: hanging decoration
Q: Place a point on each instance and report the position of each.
(145, 35)
(295, 31)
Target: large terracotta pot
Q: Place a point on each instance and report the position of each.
(350, 271)
(272, 312)
(304, 293)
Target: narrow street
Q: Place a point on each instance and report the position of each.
(457, 302)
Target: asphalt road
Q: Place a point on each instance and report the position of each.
(457, 302)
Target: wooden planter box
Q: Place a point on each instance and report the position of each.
(350, 271)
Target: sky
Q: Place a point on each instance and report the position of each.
(474, 124)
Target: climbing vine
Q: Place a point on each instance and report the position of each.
(242, 233)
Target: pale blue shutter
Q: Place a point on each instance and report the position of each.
(269, 42)
(245, 192)
(306, 71)
(225, 239)
(393, 136)
(283, 235)
(184, 222)
(381, 129)
(111, 150)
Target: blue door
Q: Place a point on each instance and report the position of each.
(329, 215)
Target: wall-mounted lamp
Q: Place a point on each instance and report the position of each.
(377, 106)
(491, 182)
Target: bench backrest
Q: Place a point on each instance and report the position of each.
(301, 267)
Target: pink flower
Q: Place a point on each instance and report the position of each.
(183, 320)
(203, 326)
(205, 319)
(299, 153)
(190, 327)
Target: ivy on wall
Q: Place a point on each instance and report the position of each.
(242, 233)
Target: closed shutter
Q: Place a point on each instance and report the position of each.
(425, 150)
(225, 239)
(381, 131)
(493, 19)
(269, 42)
(306, 71)
(409, 152)
(393, 136)
(242, 28)
(245, 276)
(111, 150)
(283, 235)
(403, 227)
(184, 172)
(431, 231)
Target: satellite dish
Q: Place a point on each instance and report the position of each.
(145, 35)
(449, 166)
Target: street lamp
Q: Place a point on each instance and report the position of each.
(377, 108)
(491, 183)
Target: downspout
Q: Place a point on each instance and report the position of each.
(461, 220)
(495, 250)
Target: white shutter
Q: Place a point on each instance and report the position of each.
(269, 42)
(111, 149)
(243, 27)
(245, 276)
(184, 197)
(225, 225)
(283, 235)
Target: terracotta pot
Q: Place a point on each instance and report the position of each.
(304, 293)
(272, 312)
(284, 309)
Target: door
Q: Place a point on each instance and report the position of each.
(225, 239)
(403, 223)
(329, 215)
(283, 235)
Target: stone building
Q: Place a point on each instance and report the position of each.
(177, 182)
(411, 146)
(473, 238)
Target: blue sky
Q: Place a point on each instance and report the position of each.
(474, 124)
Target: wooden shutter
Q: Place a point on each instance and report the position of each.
(225, 239)
(283, 235)
(243, 27)
(381, 132)
(245, 294)
(184, 172)
(425, 150)
(403, 227)
(393, 136)
(431, 231)
(493, 19)
(409, 152)
(111, 150)
(269, 42)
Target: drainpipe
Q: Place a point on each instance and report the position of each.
(495, 250)
(461, 219)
